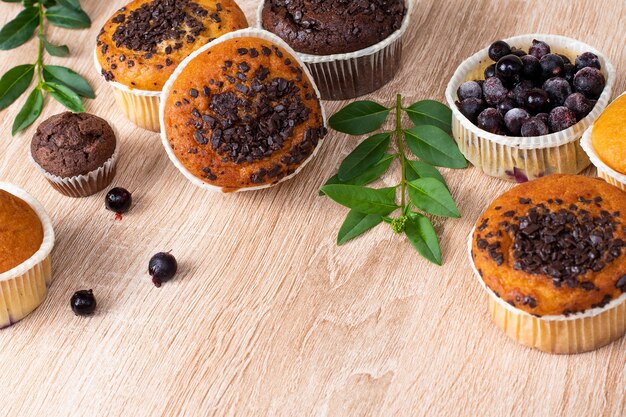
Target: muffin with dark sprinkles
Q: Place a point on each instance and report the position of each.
(141, 45)
(76, 152)
(351, 47)
(241, 114)
(552, 254)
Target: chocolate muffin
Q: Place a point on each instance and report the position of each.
(75, 150)
(241, 114)
(554, 248)
(332, 26)
(141, 45)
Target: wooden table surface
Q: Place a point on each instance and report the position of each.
(268, 317)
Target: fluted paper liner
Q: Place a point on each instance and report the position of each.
(87, 184)
(556, 334)
(525, 158)
(23, 288)
(354, 74)
(140, 106)
(242, 33)
(604, 171)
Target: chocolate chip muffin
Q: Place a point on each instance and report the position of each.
(332, 26)
(76, 152)
(554, 248)
(241, 114)
(143, 42)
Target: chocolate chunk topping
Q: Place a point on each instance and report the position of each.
(564, 244)
(145, 28)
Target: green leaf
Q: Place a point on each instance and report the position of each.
(363, 199)
(421, 233)
(364, 156)
(11, 1)
(359, 118)
(72, 4)
(66, 17)
(54, 50)
(68, 78)
(368, 176)
(14, 82)
(417, 169)
(49, 3)
(434, 146)
(356, 224)
(29, 112)
(20, 29)
(430, 112)
(433, 197)
(65, 96)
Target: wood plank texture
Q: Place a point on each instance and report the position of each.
(268, 317)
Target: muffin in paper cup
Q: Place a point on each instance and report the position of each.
(87, 184)
(604, 171)
(140, 106)
(141, 44)
(23, 288)
(522, 159)
(556, 334)
(251, 33)
(354, 74)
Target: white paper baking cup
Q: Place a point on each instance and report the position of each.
(86, 184)
(604, 171)
(576, 333)
(140, 106)
(518, 158)
(242, 33)
(23, 288)
(354, 74)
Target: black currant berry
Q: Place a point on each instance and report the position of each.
(118, 200)
(552, 65)
(508, 67)
(589, 81)
(162, 267)
(498, 50)
(83, 303)
(539, 49)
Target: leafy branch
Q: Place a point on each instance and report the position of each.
(422, 189)
(63, 84)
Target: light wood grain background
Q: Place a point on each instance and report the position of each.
(268, 317)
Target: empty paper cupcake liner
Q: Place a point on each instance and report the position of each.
(556, 334)
(243, 33)
(87, 184)
(23, 288)
(140, 106)
(604, 171)
(353, 74)
(522, 159)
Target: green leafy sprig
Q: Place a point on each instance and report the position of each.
(63, 84)
(422, 189)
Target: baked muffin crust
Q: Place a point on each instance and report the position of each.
(554, 246)
(21, 231)
(609, 135)
(332, 26)
(243, 114)
(71, 144)
(143, 42)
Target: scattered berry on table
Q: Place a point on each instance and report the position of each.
(162, 268)
(118, 200)
(83, 303)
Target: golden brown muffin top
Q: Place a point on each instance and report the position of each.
(554, 246)
(243, 114)
(609, 135)
(21, 231)
(143, 42)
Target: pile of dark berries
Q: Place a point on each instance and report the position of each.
(531, 94)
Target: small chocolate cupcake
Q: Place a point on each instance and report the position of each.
(77, 153)
(351, 47)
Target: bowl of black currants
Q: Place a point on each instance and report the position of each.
(521, 105)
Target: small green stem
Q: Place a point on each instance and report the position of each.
(400, 145)
(39, 64)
